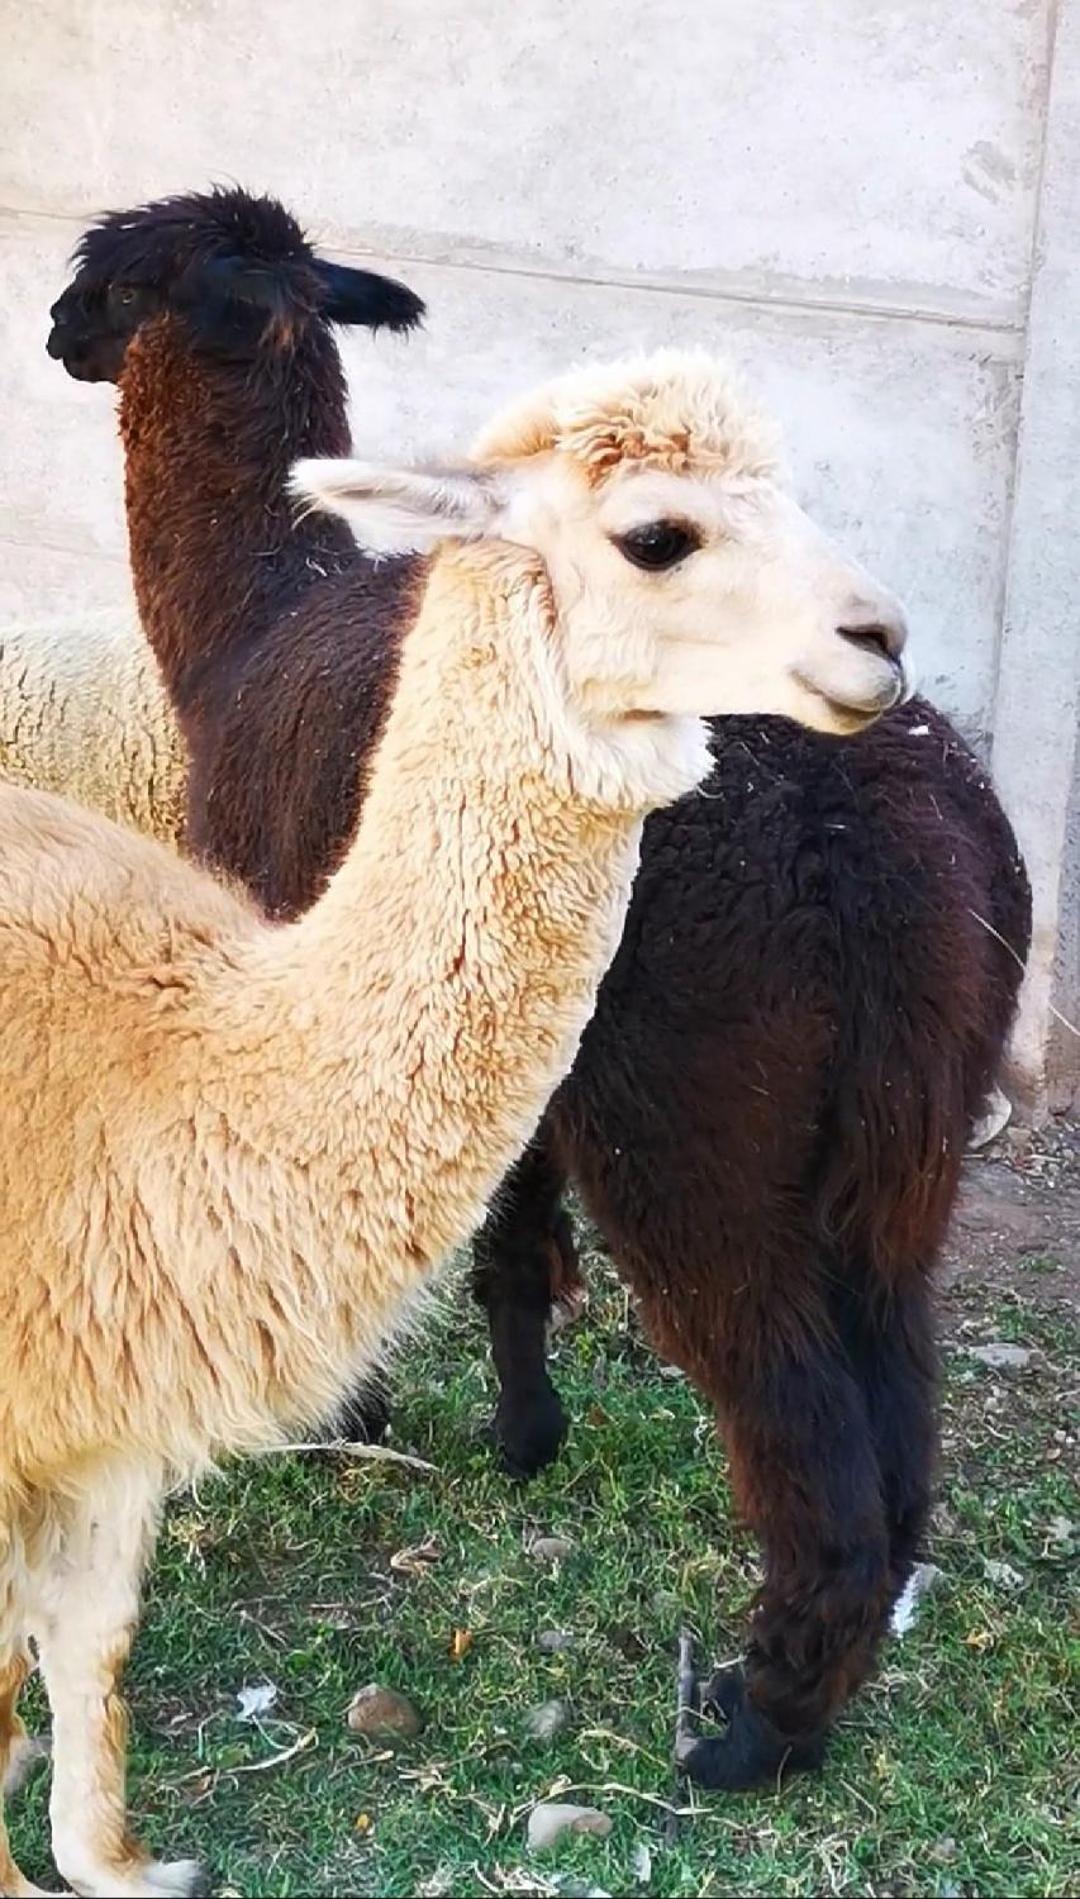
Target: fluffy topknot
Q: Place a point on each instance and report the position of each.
(680, 410)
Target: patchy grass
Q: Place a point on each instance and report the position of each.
(955, 1774)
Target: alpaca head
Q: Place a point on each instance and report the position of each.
(237, 268)
(684, 576)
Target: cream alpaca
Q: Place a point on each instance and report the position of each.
(232, 1152)
(83, 711)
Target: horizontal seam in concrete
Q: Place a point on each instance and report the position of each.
(706, 293)
(37, 546)
(659, 283)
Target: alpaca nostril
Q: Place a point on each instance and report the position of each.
(881, 636)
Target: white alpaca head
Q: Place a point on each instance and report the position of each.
(685, 577)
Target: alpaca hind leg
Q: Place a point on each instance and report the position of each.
(805, 1477)
(525, 1259)
(891, 1346)
(85, 1617)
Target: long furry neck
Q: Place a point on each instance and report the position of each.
(216, 549)
(435, 994)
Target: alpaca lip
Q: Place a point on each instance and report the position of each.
(81, 365)
(854, 714)
(63, 350)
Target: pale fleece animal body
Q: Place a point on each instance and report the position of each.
(83, 712)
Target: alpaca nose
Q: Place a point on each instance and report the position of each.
(876, 630)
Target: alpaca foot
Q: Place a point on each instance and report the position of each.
(750, 1751)
(137, 1879)
(528, 1430)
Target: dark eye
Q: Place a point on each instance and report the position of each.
(657, 545)
(125, 294)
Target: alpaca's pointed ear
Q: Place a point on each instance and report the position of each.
(362, 296)
(403, 510)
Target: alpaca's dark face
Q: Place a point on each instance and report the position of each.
(237, 268)
(92, 328)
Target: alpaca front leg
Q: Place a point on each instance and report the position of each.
(524, 1259)
(14, 1669)
(90, 1607)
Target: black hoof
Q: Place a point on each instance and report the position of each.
(749, 1751)
(724, 1693)
(528, 1433)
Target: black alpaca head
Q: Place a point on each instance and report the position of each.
(238, 268)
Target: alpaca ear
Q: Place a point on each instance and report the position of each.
(362, 296)
(403, 510)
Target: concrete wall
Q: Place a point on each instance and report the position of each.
(845, 196)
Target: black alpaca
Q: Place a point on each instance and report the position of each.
(768, 1112)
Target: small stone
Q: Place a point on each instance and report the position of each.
(1061, 1529)
(944, 1850)
(552, 1818)
(547, 1720)
(550, 1549)
(383, 1715)
(1000, 1356)
(1003, 1574)
(555, 1641)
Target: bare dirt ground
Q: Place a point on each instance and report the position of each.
(1018, 1219)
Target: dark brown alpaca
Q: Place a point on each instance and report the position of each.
(769, 1108)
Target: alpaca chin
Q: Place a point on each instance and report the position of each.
(643, 761)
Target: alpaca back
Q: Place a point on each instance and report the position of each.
(83, 712)
(805, 1010)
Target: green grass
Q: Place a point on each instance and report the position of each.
(956, 1773)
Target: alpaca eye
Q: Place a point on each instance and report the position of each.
(658, 545)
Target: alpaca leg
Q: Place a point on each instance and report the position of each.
(891, 1344)
(85, 1615)
(14, 1669)
(805, 1476)
(365, 1415)
(524, 1259)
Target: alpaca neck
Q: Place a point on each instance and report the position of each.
(438, 989)
(216, 549)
